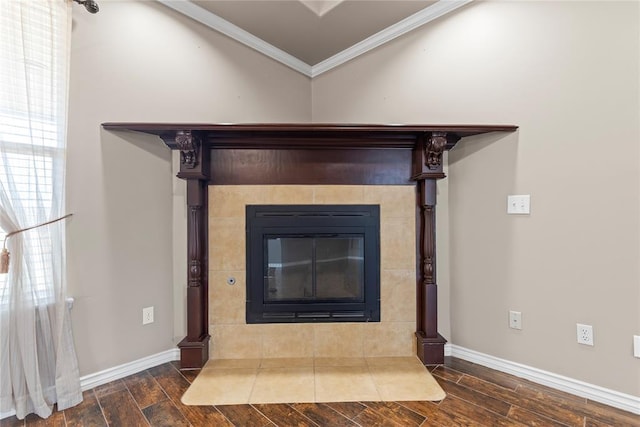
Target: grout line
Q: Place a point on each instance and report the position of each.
(261, 413)
(315, 388)
(304, 415)
(255, 379)
(104, 417)
(218, 411)
(375, 384)
(144, 417)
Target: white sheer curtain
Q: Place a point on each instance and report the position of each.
(38, 365)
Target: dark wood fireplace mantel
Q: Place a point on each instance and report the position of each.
(328, 154)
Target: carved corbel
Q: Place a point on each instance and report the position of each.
(434, 148)
(189, 146)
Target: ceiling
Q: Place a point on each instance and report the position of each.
(314, 36)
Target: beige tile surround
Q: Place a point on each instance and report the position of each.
(232, 338)
(291, 380)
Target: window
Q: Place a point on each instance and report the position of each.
(33, 86)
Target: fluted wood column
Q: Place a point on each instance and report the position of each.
(427, 169)
(194, 168)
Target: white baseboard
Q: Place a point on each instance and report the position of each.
(447, 349)
(117, 372)
(607, 396)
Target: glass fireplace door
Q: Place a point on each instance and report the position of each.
(314, 268)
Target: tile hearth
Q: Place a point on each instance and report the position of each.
(309, 380)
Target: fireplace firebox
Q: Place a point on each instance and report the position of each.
(313, 263)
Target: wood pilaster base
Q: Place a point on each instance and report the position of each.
(194, 354)
(430, 350)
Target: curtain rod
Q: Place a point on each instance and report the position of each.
(90, 5)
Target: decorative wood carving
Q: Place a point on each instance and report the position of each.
(194, 246)
(434, 149)
(189, 146)
(309, 154)
(428, 245)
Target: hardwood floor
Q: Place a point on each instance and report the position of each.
(476, 396)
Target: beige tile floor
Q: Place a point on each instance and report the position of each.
(297, 380)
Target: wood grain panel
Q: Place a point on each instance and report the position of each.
(437, 417)
(244, 415)
(370, 418)
(490, 375)
(11, 422)
(109, 388)
(458, 407)
(145, 389)
(348, 409)
(119, 408)
(539, 391)
(323, 415)
(87, 413)
(568, 417)
(447, 373)
(284, 415)
(531, 418)
(470, 395)
(189, 374)
(174, 385)
(594, 423)
(329, 167)
(397, 413)
(165, 414)
(613, 416)
(55, 420)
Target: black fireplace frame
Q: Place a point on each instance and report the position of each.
(264, 221)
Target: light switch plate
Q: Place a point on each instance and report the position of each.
(636, 346)
(519, 204)
(515, 319)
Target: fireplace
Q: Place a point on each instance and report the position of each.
(313, 263)
(303, 155)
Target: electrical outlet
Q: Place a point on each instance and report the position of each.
(515, 320)
(585, 334)
(147, 315)
(519, 204)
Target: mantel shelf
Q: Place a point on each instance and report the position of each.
(306, 135)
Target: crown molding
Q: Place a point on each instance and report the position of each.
(320, 8)
(408, 24)
(225, 27)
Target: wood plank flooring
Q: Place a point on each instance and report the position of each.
(476, 396)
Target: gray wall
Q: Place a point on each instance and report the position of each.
(567, 74)
(141, 62)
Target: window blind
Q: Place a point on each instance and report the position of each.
(33, 82)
